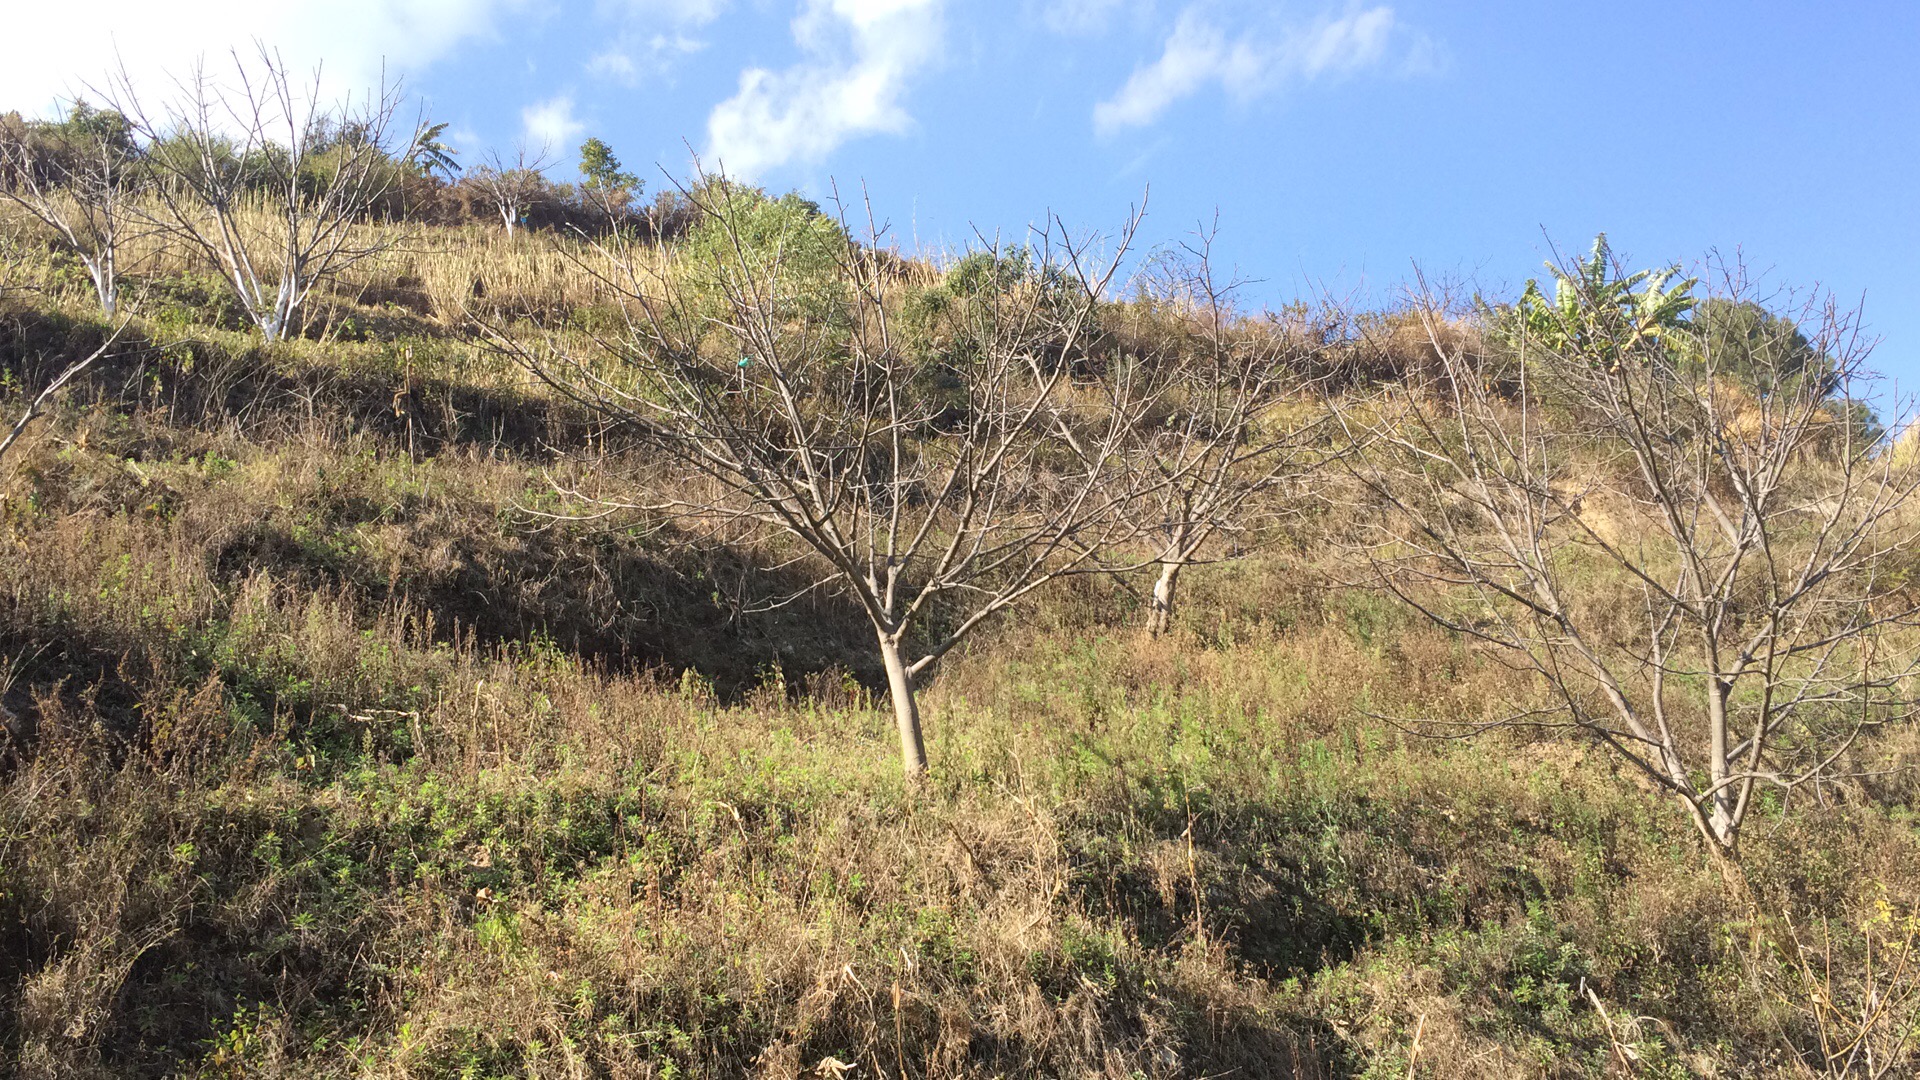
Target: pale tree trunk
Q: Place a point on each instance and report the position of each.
(1173, 558)
(272, 327)
(279, 323)
(1160, 610)
(106, 290)
(1725, 828)
(105, 283)
(906, 712)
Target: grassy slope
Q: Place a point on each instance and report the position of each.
(333, 761)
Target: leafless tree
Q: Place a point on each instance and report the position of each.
(1691, 539)
(80, 179)
(269, 181)
(931, 484)
(511, 188)
(1225, 438)
(38, 403)
(9, 266)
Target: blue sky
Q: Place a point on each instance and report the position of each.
(1339, 143)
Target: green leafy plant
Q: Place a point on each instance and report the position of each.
(751, 243)
(604, 184)
(1601, 314)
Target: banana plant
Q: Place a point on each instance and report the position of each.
(430, 153)
(1602, 315)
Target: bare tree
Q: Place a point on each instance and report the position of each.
(9, 265)
(931, 484)
(511, 188)
(1222, 441)
(1689, 539)
(269, 181)
(38, 403)
(79, 178)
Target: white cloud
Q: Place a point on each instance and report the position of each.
(58, 51)
(466, 143)
(629, 60)
(551, 124)
(1346, 44)
(1078, 16)
(1198, 53)
(860, 57)
(676, 12)
(614, 64)
(654, 35)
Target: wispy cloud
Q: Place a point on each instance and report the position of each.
(652, 36)
(1198, 53)
(551, 125)
(1081, 16)
(676, 12)
(634, 58)
(614, 64)
(360, 41)
(860, 57)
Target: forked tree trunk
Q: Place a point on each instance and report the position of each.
(279, 322)
(105, 285)
(1160, 610)
(906, 711)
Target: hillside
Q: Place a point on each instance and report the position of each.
(341, 742)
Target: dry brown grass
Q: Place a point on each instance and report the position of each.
(326, 758)
(439, 273)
